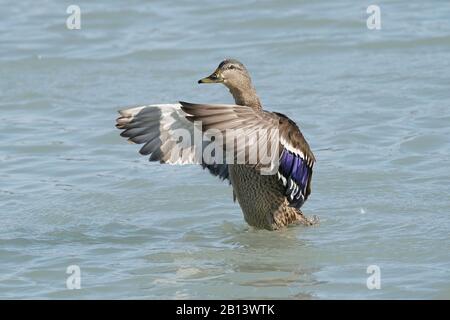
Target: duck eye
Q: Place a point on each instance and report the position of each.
(231, 67)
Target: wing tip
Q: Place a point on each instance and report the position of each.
(186, 104)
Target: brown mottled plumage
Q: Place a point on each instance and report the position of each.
(262, 199)
(267, 201)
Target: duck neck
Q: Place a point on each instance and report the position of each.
(246, 96)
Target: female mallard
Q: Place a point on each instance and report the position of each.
(267, 201)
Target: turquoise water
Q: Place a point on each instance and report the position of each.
(373, 104)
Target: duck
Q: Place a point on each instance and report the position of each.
(270, 195)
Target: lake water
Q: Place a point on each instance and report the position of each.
(373, 104)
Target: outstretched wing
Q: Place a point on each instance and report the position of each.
(158, 128)
(294, 155)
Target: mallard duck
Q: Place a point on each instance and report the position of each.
(268, 201)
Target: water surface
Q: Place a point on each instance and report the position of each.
(374, 106)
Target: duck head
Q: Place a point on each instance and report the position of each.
(236, 78)
(230, 72)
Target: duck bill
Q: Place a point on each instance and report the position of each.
(213, 78)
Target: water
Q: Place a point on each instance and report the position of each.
(374, 106)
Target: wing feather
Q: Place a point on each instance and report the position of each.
(155, 127)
